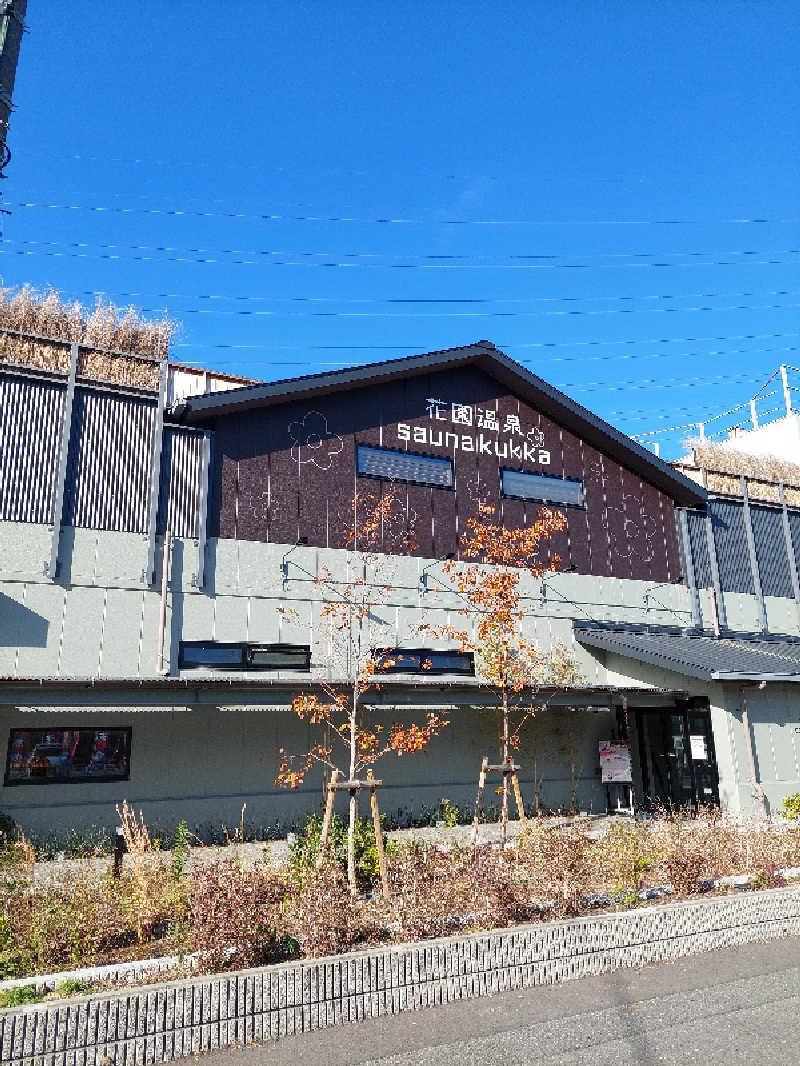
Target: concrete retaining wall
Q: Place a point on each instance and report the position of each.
(160, 1023)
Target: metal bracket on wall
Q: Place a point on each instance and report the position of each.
(148, 575)
(199, 578)
(51, 565)
(751, 551)
(691, 581)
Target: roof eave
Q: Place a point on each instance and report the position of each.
(721, 675)
(483, 354)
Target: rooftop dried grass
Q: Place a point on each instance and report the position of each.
(110, 337)
(724, 467)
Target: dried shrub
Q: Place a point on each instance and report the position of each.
(146, 883)
(119, 332)
(236, 914)
(435, 894)
(324, 918)
(68, 925)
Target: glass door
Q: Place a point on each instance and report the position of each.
(676, 750)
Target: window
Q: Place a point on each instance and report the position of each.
(403, 466)
(67, 756)
(542, 487)
(238, 656)
(424, 661)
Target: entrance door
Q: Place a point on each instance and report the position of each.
(676, 750)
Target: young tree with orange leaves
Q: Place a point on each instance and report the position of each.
(352, 741)
(488, 579)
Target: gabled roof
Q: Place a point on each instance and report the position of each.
(700, 655)
(486, 357)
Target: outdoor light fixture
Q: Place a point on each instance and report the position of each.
(301, 542)
(423, 577)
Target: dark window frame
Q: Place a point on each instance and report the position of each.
(413, 455)
(97, 779)
(543, 499)
(247, 650)
(423, 654)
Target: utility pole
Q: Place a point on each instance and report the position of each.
(12, 25)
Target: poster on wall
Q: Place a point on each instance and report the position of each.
(697, 747)
(67, 756)
(615, 762)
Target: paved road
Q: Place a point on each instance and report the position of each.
(737, 1007)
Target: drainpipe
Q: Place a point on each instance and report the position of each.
(758, 791)
(162, 614)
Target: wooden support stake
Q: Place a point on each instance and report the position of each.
(376, 821)
(518, 797)
(326, 821)
(479, 799)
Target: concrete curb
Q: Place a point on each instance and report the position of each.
(160, 1023)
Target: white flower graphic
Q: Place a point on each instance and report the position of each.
(313, 442)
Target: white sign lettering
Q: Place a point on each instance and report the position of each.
(522, 446)
(522, 451)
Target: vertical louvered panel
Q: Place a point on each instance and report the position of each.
(181, 462)
(30, 421)
(698, 542)
(773, 562)
(731, 541)
(794, 527)
(109, 464)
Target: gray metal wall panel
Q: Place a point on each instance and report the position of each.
(727, 522)
(773, 562)
(698, 542)
(181, 462)
(30, 420)
(794, 527)
(109, 463)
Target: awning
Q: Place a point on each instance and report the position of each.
(700, 655)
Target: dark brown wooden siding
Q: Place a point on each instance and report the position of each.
(288, 471)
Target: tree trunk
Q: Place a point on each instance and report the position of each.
(504, 818)
(351, 825)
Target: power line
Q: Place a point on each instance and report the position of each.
(430, 301)
(536, 362)
(472, 314)
(403, 256)
(266, 260)
(269, 217)
(511, 345)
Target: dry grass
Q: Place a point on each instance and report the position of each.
(245, 916)
(725, 466)
(119, 331)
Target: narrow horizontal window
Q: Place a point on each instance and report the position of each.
(542, 487)
(404, 466)
(280, 657)
(243, 656)
(209, 654)
(68, 756)
(423, 661)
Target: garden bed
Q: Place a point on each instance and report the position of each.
(165, 1021)
(233, 911)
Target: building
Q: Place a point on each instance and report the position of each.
(159, 611)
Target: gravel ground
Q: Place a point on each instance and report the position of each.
(277, 851)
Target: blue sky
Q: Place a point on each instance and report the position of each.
(582, 183)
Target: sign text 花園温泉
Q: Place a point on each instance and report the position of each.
(476, 429)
